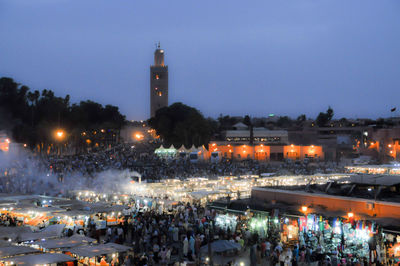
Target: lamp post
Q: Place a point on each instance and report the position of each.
(59, 135)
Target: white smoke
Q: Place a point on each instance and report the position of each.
(21, 173)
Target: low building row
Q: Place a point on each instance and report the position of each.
(263, 152)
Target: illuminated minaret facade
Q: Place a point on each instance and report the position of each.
(158, 82)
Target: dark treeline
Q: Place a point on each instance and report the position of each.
(32, 117)
(180, 124)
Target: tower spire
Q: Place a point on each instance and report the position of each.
(158, 81)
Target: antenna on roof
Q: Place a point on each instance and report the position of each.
(158, 44)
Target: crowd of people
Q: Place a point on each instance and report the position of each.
(166, 236)
(141, 159)
(158, 237)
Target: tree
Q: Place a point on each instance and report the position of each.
(284, 122)
(325, 118)
(31, 117)
(301, 119)
(180, 124)
(343, 122)
(247, 120)
(226, 122)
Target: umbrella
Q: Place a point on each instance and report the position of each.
(221, 246)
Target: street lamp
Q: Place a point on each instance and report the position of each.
(59, 134)
(138, 136)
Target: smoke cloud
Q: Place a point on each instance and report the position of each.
(22, 173)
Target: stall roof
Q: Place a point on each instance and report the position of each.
(202, 193)
(106, 208)
(4, 243)
(13, 232)
(118, 248)
(382, 180)
(52, 231)
(98, 250)
(221, 246)
(46, 258)
(16, 250)
(67, 242)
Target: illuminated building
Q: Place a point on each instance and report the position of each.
(263, 152)
(4, 142)
(137, 132)
(361, 195)
(260, 135)
(158, 82)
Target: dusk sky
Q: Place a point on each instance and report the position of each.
(229, 57)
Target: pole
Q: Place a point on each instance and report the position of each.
(210, 237)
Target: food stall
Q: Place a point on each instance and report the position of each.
(96, 254)
(40, 259)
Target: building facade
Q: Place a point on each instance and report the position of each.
(4, 142)
(158, 82)
(262, 152)
(329, 203)
(259, 135)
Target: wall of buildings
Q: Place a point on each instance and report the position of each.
(266, 152)
(382, 144)
(378, 209)
(260, 135)
(4, 142)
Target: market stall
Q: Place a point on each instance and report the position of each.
(226, 221)
(94, 255)
(39, 259)
(12, 250)
(62, 243)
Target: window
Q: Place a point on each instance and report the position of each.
(159, 93)
(157, 76)
(156, 89)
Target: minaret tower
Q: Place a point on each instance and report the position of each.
(158, 82)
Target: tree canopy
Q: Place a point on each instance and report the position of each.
(324, 118)
(180, 124)
(284, 122)
(31, 116)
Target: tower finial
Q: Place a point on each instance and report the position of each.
(159, 45)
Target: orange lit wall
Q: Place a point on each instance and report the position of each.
(263, 153)
(380, 209)
(374, 146)
(4, 146)
(395, 150)
(291, 152)
(236, 152)
(311, 151)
